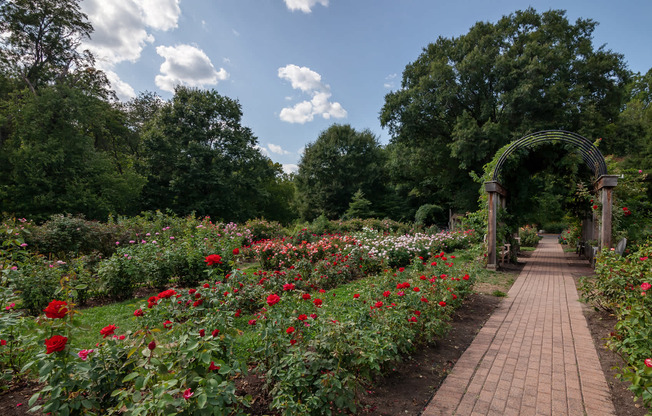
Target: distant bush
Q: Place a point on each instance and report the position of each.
(264, 230)
(529, 236)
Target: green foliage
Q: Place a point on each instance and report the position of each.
(465, 97)
(359, 207)
(339, 163)
(426, 214)
(529, 236)
(264, 230)
(622, 286)
(199, 158)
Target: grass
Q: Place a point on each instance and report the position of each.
(94, 319)
(527, 248)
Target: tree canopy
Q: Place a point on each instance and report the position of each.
(465, 97)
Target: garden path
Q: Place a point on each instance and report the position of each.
(534, 356)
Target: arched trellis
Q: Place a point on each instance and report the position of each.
(592, 157)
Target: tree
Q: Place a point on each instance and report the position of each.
(359, 207)
(340, 162)
(61, 155)
(199, 158)
(465, 97)
(43, 39)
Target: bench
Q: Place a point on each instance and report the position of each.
(504, 252)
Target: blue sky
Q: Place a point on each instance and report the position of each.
(298, 66)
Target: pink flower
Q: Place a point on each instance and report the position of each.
(187, 394)
(648, 362)
(83, 354)
(643, 258)
(645, 286)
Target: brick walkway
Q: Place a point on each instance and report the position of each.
(534, 356)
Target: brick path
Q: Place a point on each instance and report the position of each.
(534, 356)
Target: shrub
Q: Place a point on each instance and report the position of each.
(529, 236)
(264, 230)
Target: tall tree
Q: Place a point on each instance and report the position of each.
(62, 156)
(42, 39)
(465, 97)
(200, 158)
(339, 163)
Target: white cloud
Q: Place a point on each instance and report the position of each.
(309, 81)
(121, 88)
(262, 149)
(121, 32)
(290, 168)
(390, 80)
(277, 149)
(302, 78)
(187, 65)
(160, 14)
(304, 5)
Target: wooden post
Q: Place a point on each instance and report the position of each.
(495, 191)
(604, 185)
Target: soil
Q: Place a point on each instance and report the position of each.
(411, 384)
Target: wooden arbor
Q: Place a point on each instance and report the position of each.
(603, 183)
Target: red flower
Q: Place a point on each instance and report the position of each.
(198, 302)
(237, 313)
(206, 286)
(288, 286)
(202, 332)
(273, 299)
(138, 312)
(167, 324)
(313, 315)
(317, 302)
(191, 291)
(188, 394)
(305, 296)
(293, 341)
(215, 332)
(56, 309)
(166, 294)
(413, 319)
(416, 289)
(151, 345)
(401, 269)
(595, 207)
(108, 330)
(423, 299)
(302, 317)
(645, 286)
(355, 296)
(54, 344)
(252, 322)
(442, 303)
(434, 263)
(648, 362)
(236, 251)
(387, 293)
(3, 342)
(290, 330)
(379, 304)
(466, 277)
(417, 313)
(213, 367)
(213, 259)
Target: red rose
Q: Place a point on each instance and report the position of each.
(302, 317)
(317, 302)
(387, 293)
(288, 286)
(236, 251)
(356, 295)
(215, 332)
(167, 324)
(202, 332)
(3, 342)
(213, 259)
(442, 303)
(138, 312)
(290, 330)
(151, 345)
(273, 299)
(56, 309)
(213, 367)
(108, 330)
(166, 294)
(305, 296)
(56, 343)
(379, 304)
(252, 322)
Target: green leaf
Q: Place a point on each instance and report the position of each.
(201, 400)
(130, 377)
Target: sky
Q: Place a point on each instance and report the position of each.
(298, 66)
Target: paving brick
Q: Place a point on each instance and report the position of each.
(534, 356)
